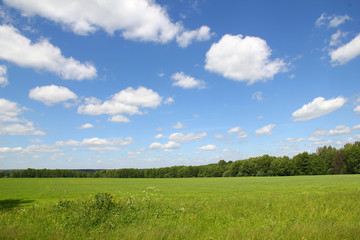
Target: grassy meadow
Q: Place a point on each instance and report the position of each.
(300, 207)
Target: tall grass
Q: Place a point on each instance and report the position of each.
(246, 208)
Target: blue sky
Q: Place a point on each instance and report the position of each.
(140, 83)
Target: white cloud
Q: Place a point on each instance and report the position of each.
(41, 55)
(180, 137)
(357, 127)
(105, 148)
(314, 139)
(244, 59)
(357, 109)
(321, 20)
(186, 81)
(294, 140)
(257, 96)
(30, 149)
(132, 153)
(239, 131)
(219, 136)
(10, 150)
(335, 21)
(324, 142)
(344, 141)
(142, 20)
(96, 142)
(317, 108)
(186, 37)
(266, 130)
(336, 38)
(345, 53)
(142, 97)
(86, 126)
(159, 136)
(169, 100)
(20, 129)
(209, 147)
(11, 124)
(332, 21)
(9, 111)
(127, 101)
(119, 118)
(340, 130)
(319, 132)
(36, 140)
(50, 95)
(178, 125)
(166, 147)
(3, 76)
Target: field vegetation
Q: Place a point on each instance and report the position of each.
(296, 207)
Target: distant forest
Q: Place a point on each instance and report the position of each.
(326, 160)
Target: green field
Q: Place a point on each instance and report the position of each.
(306, 207)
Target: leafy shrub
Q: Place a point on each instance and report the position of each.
(104, 201)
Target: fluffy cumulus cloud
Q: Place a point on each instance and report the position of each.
(239, 131)
(245, 59)
(41, 55)
(128, 101)
(119, 119)
(11, 123)
(141, 97)
(266, 130)
(208, 147)
(332, 21)
(3, 76)
(181, 137)
(186, 81)
(346, 52)
(317, 108)
(142, 20)
(52, 94)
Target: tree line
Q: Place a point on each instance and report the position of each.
(326, 160)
